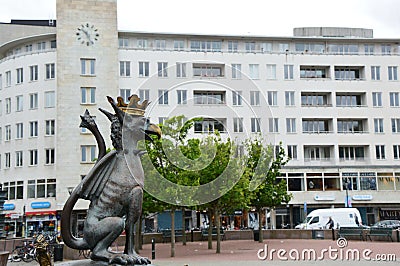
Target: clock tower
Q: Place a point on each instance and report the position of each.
(87, 71)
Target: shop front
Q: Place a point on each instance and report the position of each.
(41, 221)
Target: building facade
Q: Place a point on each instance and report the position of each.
(330, 95)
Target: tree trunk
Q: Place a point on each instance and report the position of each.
(260, 226)
(173, 232)
(218, 226)
(209, 213)
(183, 227)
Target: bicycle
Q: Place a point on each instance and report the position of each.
(85, 253)
(26, 253)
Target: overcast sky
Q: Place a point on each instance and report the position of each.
(251, 17)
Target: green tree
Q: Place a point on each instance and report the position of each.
(164, 155)
(263, 170)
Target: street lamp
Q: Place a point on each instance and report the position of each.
(347, 193)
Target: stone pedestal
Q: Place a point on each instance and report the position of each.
(89, 263)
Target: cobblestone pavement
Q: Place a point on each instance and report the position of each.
(278, 252)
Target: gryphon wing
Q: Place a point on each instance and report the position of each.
(93, 184)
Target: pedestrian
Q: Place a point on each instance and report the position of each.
(331, 225)
(356, 220)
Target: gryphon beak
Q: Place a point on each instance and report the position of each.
(152, 129)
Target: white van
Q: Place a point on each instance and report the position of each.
(318, 219)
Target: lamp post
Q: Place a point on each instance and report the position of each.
(347, 193)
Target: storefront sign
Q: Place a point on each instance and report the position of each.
(362, 197)
(14, 216)
(40, 205)
(8, 206)
(389, 214)
(324, 197)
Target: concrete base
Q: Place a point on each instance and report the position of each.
(89, 263)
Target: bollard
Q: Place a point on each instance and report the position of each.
(153, 249)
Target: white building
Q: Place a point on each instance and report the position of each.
(331, 95)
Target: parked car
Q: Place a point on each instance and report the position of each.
(395, 224)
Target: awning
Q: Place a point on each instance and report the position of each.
(48, 212)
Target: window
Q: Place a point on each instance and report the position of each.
(181, 70)
(350, 126)
(179, 45)
(254, 71)
(125, 68)
(209, 97)
(50, 156)
(271, 71)
(7, 133)
(8, 78)
(125, 93)
(144, 94)
(396, 152)
(351, 153)
(163, 97)
(377, 99)
(7, 162)
(288, 72)
(19, 160)
(28, 48)
(232, 46)
(291, 125)
(348, 100)
(20, 75)
(41, 46)
(1, 81)
(237, 98)
(182, 96)
(208, 125)
(15, 190)
(88, 95)
(375, 73)
(273, 125)
(255, 125)
(160, 44)
(144, 69)
(315, 126)
(392, 72)
(20, 103)
(395, 125)
(250, 47)
(162, 68)
(53, 44)
(50, 127)
(289, 98)
(236, 71)
(33, 157)
(266, 47)
(394, 99)
(205, 46)
(33, 128)
(34, 73)
(123, 42)
(19, 131)
(208, 70)
(314, 72)
(386, 49)
(33, 101)
(369, 49)
(292, 151)
(41, 188)
(284, 47)
(87, 67)
(348, 73)
(88, 153)
(254, 98)
(272, 98)
(50, 99)
(51, 69)
(161, 120)
(378, 125)
(142, 43)
(380, 152)
(237, 124)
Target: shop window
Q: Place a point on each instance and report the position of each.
(397, 182)
(314, 183)
(367, 182)
(385, 181)
(296, 182)
(331, 182)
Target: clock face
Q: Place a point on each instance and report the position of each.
(87, 34)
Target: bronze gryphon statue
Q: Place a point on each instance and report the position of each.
(114, 186)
